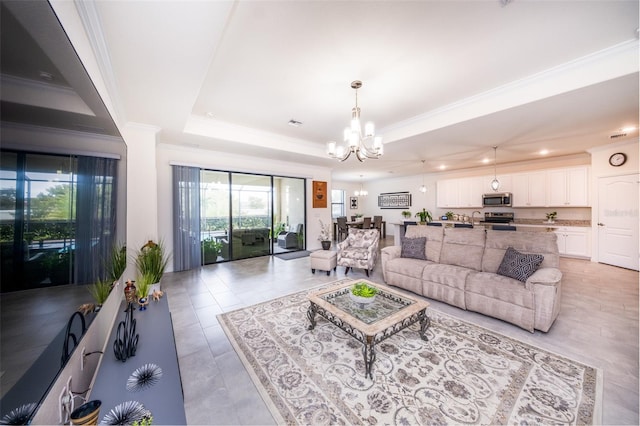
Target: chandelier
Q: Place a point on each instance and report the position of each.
(356, 140)
(362, 192)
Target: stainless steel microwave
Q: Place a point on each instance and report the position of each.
(497, 199)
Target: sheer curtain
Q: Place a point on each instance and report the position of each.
(95, 216)
(186, 218)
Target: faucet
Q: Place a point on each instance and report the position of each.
(473, 216)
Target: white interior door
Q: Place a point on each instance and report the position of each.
(618, 221)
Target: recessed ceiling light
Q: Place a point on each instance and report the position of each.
(294, 123)
(209, 114)
(628, 129)
(544, 151)
(442, 167)
(485, 160)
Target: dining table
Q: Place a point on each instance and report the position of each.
(359, 224)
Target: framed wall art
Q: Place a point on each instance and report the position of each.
(354, 203)
(394, 200)
(319, 194)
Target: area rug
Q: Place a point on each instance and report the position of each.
(293, 255)
(462, 374)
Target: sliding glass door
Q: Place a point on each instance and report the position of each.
(245, 215)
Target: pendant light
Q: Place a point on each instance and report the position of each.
(423, 188)
(495, 183)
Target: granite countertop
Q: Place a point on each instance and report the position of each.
(557, 223)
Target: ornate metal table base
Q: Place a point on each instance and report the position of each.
(369, 341)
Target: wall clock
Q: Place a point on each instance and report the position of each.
(617, 159)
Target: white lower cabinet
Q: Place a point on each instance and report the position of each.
(574, 241)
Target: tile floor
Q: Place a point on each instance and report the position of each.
(598, 325)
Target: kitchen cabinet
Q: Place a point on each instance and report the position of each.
(463, 192)
(529, 189)
(574, 241)
(568, 187)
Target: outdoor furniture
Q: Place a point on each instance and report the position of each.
(323, 260)
(359, 249)
(290, 239)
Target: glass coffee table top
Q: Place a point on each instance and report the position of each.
(384, 305)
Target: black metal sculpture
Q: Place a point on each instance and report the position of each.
(70, 337)
(126, 338)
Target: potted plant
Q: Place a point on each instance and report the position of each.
(143, 289)
(117, 262)
(325, 236)
(211, 249)
(363, 294)
(551, 217)
(359, 217)
(449, 215)
(151, 260)
(100, 292)
(425, 216)
(406, 214)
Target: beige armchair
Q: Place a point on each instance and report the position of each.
(359, 249)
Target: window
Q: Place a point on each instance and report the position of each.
(338, 197)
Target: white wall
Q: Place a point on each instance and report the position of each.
(168, 154)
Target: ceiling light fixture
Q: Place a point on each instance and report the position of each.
(495, 183)
(362, 192)
(355, 139)
(423, 188)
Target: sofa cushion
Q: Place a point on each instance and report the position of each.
(544, 243)
(463, 247)
(518, 265)
(449, 275)
(407, 266)
(413, 248)
(500, 288)
(434, 236)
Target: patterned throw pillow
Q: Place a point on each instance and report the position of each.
(414, 248)
(518, 265)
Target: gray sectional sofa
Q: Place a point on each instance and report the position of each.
(461, 268)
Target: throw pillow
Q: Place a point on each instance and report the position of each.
(414, 248)
(518, 265)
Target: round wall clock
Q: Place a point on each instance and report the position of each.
(617, 159)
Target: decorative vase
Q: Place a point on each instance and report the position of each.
(86, 414)
(326, 245)
(130, 291)
(143, 302)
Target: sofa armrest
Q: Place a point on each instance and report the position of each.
(388, 253)
(343, 244)
(544, 276)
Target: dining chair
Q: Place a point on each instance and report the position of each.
(377, 224)
(366, 223)
(343, 229)
(353, 218)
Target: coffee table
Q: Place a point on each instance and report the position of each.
(390, 313)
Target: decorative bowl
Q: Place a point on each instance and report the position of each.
(362, 301)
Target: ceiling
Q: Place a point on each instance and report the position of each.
(443, 81)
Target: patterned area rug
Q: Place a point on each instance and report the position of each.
(463, 374)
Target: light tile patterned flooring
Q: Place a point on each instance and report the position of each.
(598, 325)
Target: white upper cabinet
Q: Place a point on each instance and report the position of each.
(470, 192)
(529, 189)
(447, 193)
(568, 187)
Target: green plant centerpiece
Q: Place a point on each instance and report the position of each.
(425, 216)
(406, 214)
(363, 294)
(151, 261)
